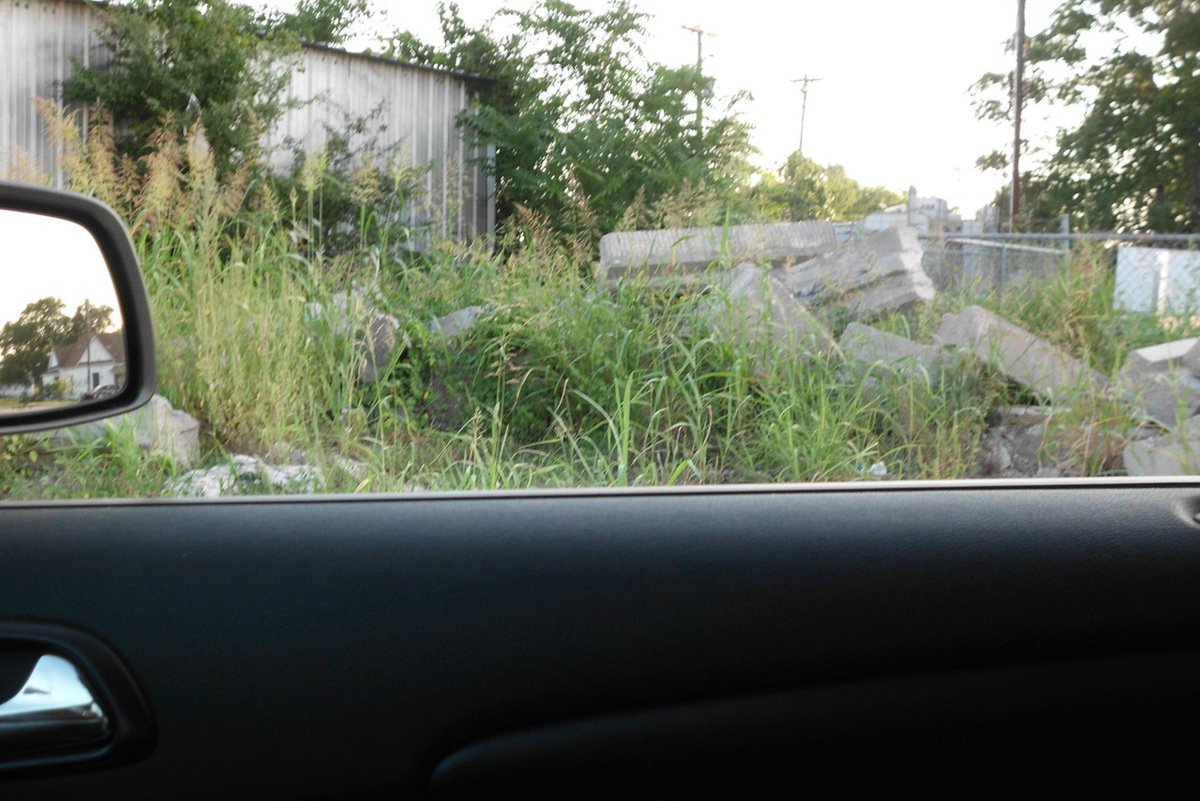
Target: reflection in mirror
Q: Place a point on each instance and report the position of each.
(61, 333)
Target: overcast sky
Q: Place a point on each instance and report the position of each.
(892, 106)
(43, 257)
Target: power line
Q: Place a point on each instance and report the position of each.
(804, 82)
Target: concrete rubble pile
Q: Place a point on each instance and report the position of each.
(872, 276)
(690, 256)
(771, 287)
(1159, 385)
(243, 473)
(808, 266)
(1163, 384)
(756, 308)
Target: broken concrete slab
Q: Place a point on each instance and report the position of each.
(1029, 360)
(158, 428)
(1163, 398)
(682, 255)
(164, 430)
(873, 275)
(377, 336)
(383, 337)
(864, 345)
(895, 294)
(1176, 453)
(755, 307)
(458, 322)
(1191, 359)
(1157, 358)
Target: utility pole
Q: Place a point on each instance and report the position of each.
(700, 34)
(804, 82)
(1018, 105)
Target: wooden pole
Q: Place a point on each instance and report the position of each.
(1018, 104)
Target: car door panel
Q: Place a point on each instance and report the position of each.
(990, 732)
(361, 647)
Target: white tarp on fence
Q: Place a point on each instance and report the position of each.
(1158, 280)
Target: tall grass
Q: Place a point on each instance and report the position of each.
(558, 384)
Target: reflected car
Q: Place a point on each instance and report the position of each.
(101, 392)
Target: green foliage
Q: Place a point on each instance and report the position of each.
(805, 190)
(321, 21)
(177, 65)
(584, 124)
(179, 62)
(1133, 163)
(355, 192)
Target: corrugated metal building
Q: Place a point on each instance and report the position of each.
(410, 110)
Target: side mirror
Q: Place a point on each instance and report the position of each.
(76, 342)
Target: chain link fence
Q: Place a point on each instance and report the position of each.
(1154, 272)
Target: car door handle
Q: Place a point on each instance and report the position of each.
(54, 710)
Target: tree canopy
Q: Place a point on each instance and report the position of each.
(806, 190)
(583, 123)
(1133, 68)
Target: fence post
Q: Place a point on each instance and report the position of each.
(1064, 227)
(1003, 267)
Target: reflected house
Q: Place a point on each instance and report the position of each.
(93, 360)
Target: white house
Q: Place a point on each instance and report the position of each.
(91, 361)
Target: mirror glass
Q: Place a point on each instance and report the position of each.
(62, 339)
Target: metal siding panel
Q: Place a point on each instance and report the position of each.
(444, 139)
(39, 39)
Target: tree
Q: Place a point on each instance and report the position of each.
(25, 343)
(208, 61)
(90, 319)
(321, 21)
(805, 190)
(1133, 68)
(583, 123)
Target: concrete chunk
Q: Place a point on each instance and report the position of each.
(383, 337)
(755, 306)
(1026, 359)
(874, 275)
(1163, 398)
(1191, 360)
(1173, 454)
(376, 335)
(895, 294)
(681, 255)
(158, 428)
(458, 322)
(1157, 358)
(864, 345)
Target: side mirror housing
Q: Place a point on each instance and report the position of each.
(76, 339)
